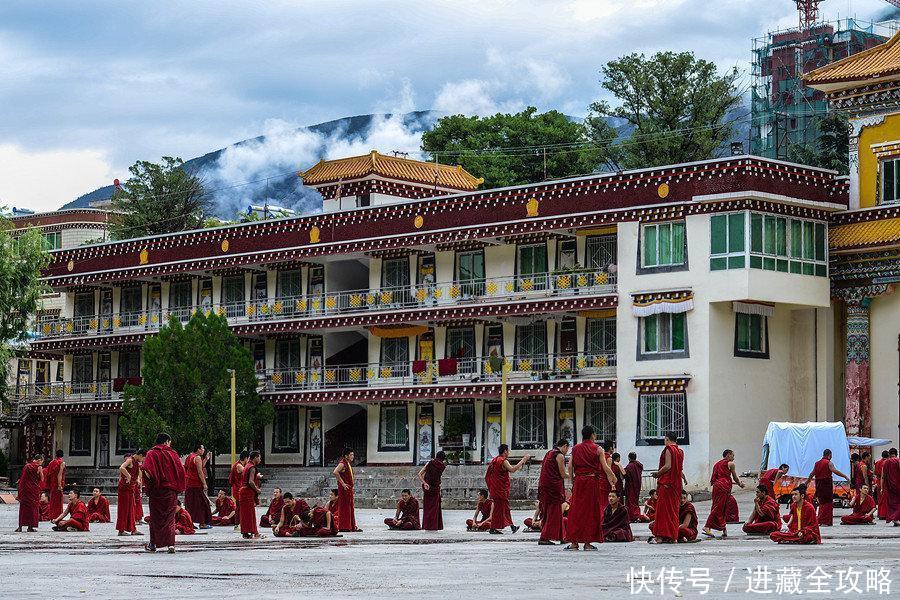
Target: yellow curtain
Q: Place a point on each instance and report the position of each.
(398, 331)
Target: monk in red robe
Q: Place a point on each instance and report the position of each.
(270, 519)
(430, 476)
(552, 494)
(616, 523)
(890, 483)
(687, 520)
(650, 507)
(723, 475)
(322, 521)
(184, 524)
(196, 493)
(45, 506)
(129, 487)
(28, 494)
(333, 504)
(75, 517)
(98, 507)
(803, 528)
(225, 510)
(346, 510)
(592, 480)
(669, 482)
(823, 472)
(859, 472)
(250, 497)
(765, 517)
(634, 470)
(139, 499)
(497, 480)
(863, 506)
(235, 477)
(288, 519)
(878, 491)
(619, 471)
(55, 480)
(407, 515)
(163, 474)
(732, 512)
(481, 520)
(769, 477)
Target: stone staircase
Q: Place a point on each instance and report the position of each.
(86, 478)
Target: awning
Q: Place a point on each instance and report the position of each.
(753, 308)
(397, 331)
(654, 303)
(864, 441)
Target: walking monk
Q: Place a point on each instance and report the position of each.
(878, 489)
(77, 513)
(765, 518)
(55, 481)
(129, 487)
(768, 478)
(803, 528)
(407, 515)
(235, 479)
(196, 499)
(497, 480)
(592, 479)
(552, 494)
(430, 476)
(890, 483)
(823, 472)
(29, 493)
(346, 511)
(270, 519)
(616, 524)
(723, 475)
(687, 520)
(98, 507)
(863, 509)
(483, 509)
(226, 511)
(163, 474)
(668, 477)
(249, 495)
(634, 470)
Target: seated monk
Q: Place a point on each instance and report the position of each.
(44, 506)
(184, 524)
(77, 515)
(803, 527)
(98, 508)
(270, 519)
(407, 515)
(225, 510)
(765, 518)
(616, 521)
(533, 523)
(289, 520)
(483, 510)
(732, 514)
(333, 505)
(863, 506)
(650, 507)
(687, 520)
(324, 521)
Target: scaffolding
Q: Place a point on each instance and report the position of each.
(785, 113)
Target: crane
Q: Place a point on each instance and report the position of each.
(809, 12)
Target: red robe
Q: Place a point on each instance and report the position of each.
(617, 524)
(346, 509)
(224, 508)
(164, 478)
(196, 502)
(497, 480)
(249, 499)
(721, 490)
(551, 495)
(409, 515)
(878, 491)
(585, 520)
(50, 478)
(98, 510)
(890, 473)
(270, 519)
(77, 518)
(234, 480)
(689, 532)
(29, 493)
(287, 517)
(634, 470)
(125, 513)
(45, 510)
(138, 503)
(767, 479)
(732, 513)
(432, 516)
(184, 524)
(803, 528)
(665, 524)
(824, 491)
(319, 517)
(766, 520)
(484, 510)
(649, 510)
(860, 515)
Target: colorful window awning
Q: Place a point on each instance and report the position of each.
(655, 385)
(753, 308)
(654, 303)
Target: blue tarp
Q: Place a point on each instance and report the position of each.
(800, 445)
(864, 441)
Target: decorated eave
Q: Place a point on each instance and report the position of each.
(76, 408)
(879, 63)
(869, 229)
(664, 384)
(580, 203)
(81, 218)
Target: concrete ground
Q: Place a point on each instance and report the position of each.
(378, 563)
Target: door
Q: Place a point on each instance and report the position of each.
(83, 311)
(491, 430)
(314, 437)
(532, 267)
(106, 310)
(470, 272)
(424, 433)
(102, 442)
(395, 279)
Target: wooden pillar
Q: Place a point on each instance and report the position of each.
(857, 401)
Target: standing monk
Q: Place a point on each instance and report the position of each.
(55, 480)
(163, 474)
(802, 525)
(890, 483)
(552, 494)
(29, 494)
(863, 509)
(235, 477)
(346, 511)
(765, 518)
(129, 488)
(668, 477)
(98, 507)
(634, 470)
(250, 497)
(687, 520)
(823, 472)
(615, 463)
(876, 482)
(723, 475)
(196, 498)
(592, 479)
(497, 480)
(430, 476)
(768, 478)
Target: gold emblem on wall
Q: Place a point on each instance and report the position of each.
(531, 207)
(314, 235)
(144, 257)
(224, 245)
(663, 190)
(70, 265)
(418, 221)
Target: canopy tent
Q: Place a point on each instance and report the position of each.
(864, 441)
(800, 445)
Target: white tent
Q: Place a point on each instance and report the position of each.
(800, 445)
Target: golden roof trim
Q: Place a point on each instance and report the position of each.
(393, 167)
(880, 61)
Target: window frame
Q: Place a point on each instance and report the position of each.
(643, 438)
(82, 450)
(602, 323)
(605, 243)
(894, 162)
(731, 257)
(292, 415)
(763, 352)
(609, 418)
(467, 408)
(642, 266)
(383, 410)
(121, 441)
(658, 354)
(541, 442)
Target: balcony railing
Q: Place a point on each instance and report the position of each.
(59, 391)
(495, 289)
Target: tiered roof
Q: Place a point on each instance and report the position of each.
(393, 167)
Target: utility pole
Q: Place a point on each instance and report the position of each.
(233, 418)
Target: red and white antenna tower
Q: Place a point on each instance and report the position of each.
(809, 13)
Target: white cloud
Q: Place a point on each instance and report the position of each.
(473, 97)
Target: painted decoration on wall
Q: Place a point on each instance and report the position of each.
(857, 411)
(663, 190)
(492, 436)
(225, 245)
(144, 256)
(531, 207)
(418, 221)
(314, 234)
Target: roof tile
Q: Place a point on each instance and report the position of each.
(375, 163)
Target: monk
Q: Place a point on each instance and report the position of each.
(333, 503)
(28, 494)
(765, 517)
(407, 515)
(196, 500)
(483, 510)
(76, 512)
(346, 510)
(184, 524)
(803, 528)
(650, 507)
(687, 520)
(234, 479)
(823, 472)
(288, 519)
(270, 519)
(55, 481)
(859, 474)
(877, 491)
(249, 497)
(225, 510)
(497, 480)
(139, 499)
(322, 520)
(619, 472)
(430, 476)
(129, 487)
(616, 524)
(634, 470)
(669, 477)
(769, 477)
(723, 475)
(534, 523)
(98, 507)
(890, 483)
(163, 474)
(45, 506)
(592, 480)
(552, 494)
(863, 506)
(732, 512)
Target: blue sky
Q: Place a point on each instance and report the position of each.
(88, 87)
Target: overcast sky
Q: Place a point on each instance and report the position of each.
(88, 87)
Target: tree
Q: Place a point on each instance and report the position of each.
(548, 145)
(186, 388)
(675, 104)
(158, 199)
(832, 146)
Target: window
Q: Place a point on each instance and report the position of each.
(204, 295)
(663, 332)
(394, 428)
(123, 444)
(395, 272)
(663, 244)
(532, 259)
(531, 345)
(890, 182)
(659, 414)
(233, 295)
(131, 306)
(286, 430)
(530, 424)
(788, 245)
(130, 363)
(727, 233)
(180, 299)
(566, 254)
(601, 251)
(289, 285)
(462, 412)
(601, 336)
(287, 361)
(80, 436)
(52, 240)
(83, 311)
(461, 346)
(82, 369)
(601, 413)
(751, 335)
(394, 350)
(470, 272)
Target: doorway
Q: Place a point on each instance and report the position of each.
(102, 442)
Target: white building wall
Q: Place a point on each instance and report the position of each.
(884, 371)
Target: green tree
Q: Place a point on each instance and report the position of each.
(675, 104)
(186, 388)
(548, 145)
(158, 199)
(832, 146)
